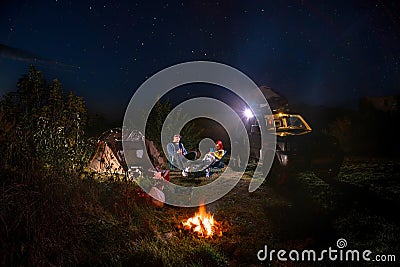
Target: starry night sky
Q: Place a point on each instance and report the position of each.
(314, 52)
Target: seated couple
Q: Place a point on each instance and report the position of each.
(180, 157)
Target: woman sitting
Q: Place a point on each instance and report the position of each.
(213, 156)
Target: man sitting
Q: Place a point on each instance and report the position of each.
(178, 155)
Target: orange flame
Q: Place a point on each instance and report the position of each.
(202, 223)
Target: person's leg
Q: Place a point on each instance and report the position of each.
(177, 161)
(182, 163)
(208, 172)
(208, 159)
(187, 164)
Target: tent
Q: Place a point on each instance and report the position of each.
(109, 155)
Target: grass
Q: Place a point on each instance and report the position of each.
(106, 221)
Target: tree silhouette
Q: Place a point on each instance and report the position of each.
(191, 132)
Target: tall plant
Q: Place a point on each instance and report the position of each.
(48, 133)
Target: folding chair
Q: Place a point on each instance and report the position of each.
(218, 165)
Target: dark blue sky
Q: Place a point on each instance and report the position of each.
(314, 52)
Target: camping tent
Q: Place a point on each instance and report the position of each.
(109, 155)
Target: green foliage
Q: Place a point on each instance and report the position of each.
(155, 121)
(48, 128)
(191, 132)
(6, 124)
(43, 149)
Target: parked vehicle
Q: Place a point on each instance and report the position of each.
(298, 147)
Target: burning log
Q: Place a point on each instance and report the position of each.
(203, 224)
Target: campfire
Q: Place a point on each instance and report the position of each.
(203, 224)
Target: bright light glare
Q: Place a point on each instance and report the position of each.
(248, 113)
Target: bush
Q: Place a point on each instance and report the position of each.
(43, 150)
(155, 122)
(47, 129)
